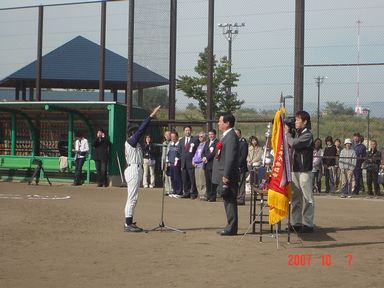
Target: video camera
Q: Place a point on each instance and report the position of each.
(290, 122)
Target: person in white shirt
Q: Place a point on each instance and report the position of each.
(81, 150)
(134, 171)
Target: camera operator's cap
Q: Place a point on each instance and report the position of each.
(347, 141)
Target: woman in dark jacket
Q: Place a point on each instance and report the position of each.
(373, 165)
(101, 157)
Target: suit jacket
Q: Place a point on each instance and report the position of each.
(187, 152)
(209, 152)
(226, 162)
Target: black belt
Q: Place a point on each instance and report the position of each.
(138, 165)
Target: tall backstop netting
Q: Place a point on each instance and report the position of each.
(71, 40)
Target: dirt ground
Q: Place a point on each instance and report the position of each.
(64, 236)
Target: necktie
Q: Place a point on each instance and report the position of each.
(187, 144)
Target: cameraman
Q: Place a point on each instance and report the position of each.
(301, 143)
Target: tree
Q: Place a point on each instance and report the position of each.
(195, 87)
(191, 106)
(337, 108)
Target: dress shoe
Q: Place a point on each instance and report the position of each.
(225, 233)
(185, 196)
(211, 200)
(193, 197)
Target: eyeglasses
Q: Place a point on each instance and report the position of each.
(201, 136)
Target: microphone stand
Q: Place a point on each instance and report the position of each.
(162, 225)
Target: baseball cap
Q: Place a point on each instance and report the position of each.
(347, 141)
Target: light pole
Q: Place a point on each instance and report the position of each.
(319, 80)
(285, 97)
(230, 30)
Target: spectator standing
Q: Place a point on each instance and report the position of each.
(255, 153)
(208, 155)
(347, 164)
(166, 175)
(188, 145)
(197, 162)
(101, 147)
(173, 162)
(329, 163)
(149, 162)
(382, 163)
(373, 167)
(81, 150)
(62, 145)
(317, 168)
(337, 168)
(243, 169)
(361, 153)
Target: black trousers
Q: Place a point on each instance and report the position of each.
(101, 169)
(176, 179)
(241, 193)
(79, 162)
(211, 188)
(372, 180)
(189, 183)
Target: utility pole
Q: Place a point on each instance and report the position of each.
(211, 17)
(319, 80)
(299, 55)
(230, 30)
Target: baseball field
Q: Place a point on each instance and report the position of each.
(65, 236)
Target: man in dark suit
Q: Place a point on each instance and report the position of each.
(188, 145)
(243, 169)
(208, 156)
(226, 171)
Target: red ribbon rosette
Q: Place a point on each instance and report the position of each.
(219, 146)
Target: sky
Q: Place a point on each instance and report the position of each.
(262, 52)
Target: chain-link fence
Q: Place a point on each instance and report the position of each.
(263, 53)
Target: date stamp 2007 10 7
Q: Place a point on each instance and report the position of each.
(301, 260)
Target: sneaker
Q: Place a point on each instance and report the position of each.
(151, 186)
(132, 228)
(145, 186)
(343, 196)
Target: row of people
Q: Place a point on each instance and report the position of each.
(187, 163)
(342, 167)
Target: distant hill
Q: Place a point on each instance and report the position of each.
(377, 108)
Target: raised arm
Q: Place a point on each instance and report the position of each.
(134, 139)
